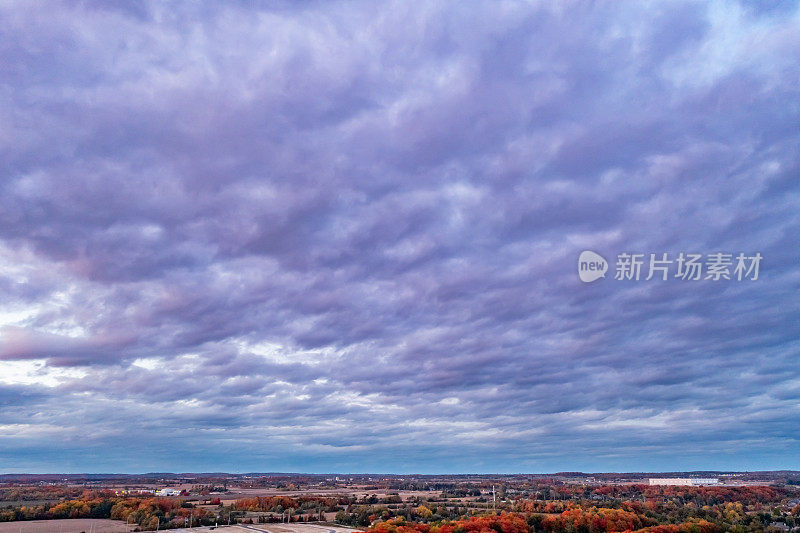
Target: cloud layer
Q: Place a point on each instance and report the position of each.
(343, 237)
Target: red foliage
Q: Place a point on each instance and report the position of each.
(504, 523)
(593, 520)
(260, 503)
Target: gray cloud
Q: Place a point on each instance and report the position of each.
(318, 237)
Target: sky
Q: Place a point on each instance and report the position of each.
(344, 236)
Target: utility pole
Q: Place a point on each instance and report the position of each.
(494, 500)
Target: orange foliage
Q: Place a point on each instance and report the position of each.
(593, 520)
(504, 523)
(267, 503)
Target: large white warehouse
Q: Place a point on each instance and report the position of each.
(691, 481)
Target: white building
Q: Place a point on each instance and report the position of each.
(168, 492)
(687, 481)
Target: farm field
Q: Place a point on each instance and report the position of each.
(76, 525)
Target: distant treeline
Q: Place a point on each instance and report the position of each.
(147, 513)
(593, 509)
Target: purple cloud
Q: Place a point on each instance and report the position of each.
(322, 238)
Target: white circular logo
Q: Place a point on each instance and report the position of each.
(591, 266)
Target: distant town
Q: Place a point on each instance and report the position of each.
(676, 502)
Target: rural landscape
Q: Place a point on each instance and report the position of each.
(696, 502)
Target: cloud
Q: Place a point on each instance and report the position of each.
(326, 239)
